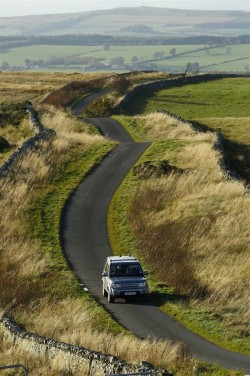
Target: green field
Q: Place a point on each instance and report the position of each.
(210, 106)
(203, 102)
(217, 59)
(236, 58)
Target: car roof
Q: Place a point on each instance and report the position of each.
(122, 258)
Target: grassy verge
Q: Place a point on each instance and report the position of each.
(44, 218)
(135, 132)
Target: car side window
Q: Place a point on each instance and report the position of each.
(105, 270)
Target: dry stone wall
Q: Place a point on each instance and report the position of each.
(96, 362)
(170, 83)
(227, 169)
(40, 134)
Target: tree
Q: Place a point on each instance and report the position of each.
(28, 63)
(134, 59)
(194, 67)
(158, 55)
(172, 51)
(5, 66)
(106, 46)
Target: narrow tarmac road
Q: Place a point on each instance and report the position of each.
(86, 245)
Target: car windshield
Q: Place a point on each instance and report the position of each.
(126, 270)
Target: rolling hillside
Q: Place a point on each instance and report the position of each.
(131, 21)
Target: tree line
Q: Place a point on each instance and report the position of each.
(7, 42)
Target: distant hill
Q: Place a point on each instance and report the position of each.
(120, 21)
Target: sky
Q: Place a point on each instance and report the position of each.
(10, 8)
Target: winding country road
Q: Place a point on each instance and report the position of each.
(86, 245)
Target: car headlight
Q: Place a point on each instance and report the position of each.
(143, 284)
(116, 285)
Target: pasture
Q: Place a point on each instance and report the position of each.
(226, 58)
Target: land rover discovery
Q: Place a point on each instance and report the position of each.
(123, 277)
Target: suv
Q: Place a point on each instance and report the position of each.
(123, 277)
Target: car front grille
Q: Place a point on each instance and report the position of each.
(129, 285)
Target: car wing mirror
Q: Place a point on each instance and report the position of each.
(145, 272)
(104, 274)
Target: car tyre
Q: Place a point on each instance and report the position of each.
(104, 292)
(111, 299)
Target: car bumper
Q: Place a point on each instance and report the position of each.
(121, 293)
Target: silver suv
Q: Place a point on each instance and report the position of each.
(123, 277)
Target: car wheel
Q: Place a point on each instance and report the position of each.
(104, 292)
(111, 299)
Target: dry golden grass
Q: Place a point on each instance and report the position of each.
(69, 130)
(66, 328)
(15, 136)
(162, 126)
(34, 86)
(40, 364)
(145, 76)
(37, 364)
(211, 215)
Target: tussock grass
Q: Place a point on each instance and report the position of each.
(36, 363)
(198, 223)
(34, 86)
(126, 347)
(70, 131)
(161, 126)
(160, 353)
(15, 137)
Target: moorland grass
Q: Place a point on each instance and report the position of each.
(34, 86)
